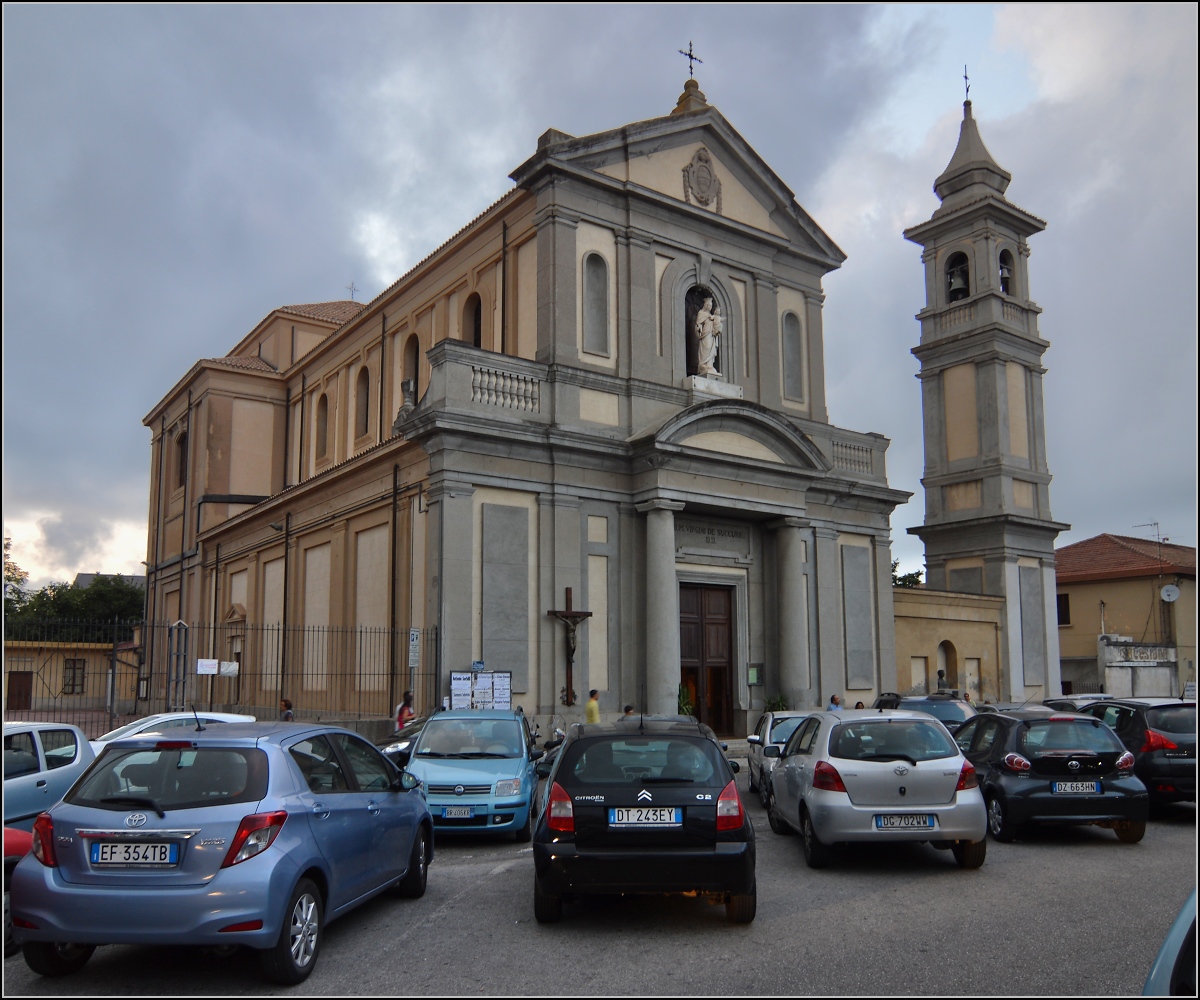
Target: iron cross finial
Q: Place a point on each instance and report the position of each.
(691, 57)
(351, 288)
(967, 82)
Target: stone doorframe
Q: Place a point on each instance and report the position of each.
(739, 579)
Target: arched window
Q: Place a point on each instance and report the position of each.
(362, 402)
(473, 320)
(793, 358)
(322, 426)
(958, 277)
(595, 304)
(1008, 273)
(181, 459)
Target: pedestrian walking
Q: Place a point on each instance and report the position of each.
(592, 712)
(404, 711)
(285, 711)
(835, 703)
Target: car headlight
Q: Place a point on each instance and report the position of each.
(397, 747)
(506, 788)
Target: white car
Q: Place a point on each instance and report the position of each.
(166, 720)
(773, 727)
(876, 776)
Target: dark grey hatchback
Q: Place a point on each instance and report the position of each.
(646, 806)
(1064, 768)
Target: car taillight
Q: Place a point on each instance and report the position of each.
(1015, 762)
(254, 835)
(562, 812)
(1125, 762)
(1157, 741)
(174, 745)
(43, 841)
(825, 776)
(968, 777)
(730, 815)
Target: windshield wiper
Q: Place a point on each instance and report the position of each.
(136, 800)
(890, 756)
(483, 753)
(660, 780)
(431, 753)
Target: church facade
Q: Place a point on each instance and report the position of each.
(606, 393)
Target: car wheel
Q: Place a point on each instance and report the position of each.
(999, 824)
(816, 854)
(10, 945)
(525, 834)
(777, 824)
(547, 907)
(970, 855)
(740, 909)
(753, 786)
(412, 886)
(49, 958)
(764, 793)
(299, 944)
(1129, 832)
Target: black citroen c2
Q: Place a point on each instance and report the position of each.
(643, 806)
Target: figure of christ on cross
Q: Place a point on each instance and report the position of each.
(571, 619)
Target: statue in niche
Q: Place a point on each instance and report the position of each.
(704, 327)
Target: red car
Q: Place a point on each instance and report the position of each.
(16, 846)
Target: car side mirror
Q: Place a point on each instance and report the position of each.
(536, 754)
(407, 782)
(772, 750)
(544, 768)
(734, 766)
(755, 739)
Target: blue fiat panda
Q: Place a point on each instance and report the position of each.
(478, 770)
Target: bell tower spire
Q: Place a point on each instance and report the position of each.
(988, 528)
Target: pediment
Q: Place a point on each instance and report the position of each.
(661, 155)
(235, 614)
(739, 431)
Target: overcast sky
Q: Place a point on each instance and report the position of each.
(171, 174)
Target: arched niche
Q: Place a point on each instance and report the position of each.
(680, 277)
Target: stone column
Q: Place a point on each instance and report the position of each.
(662, 607)
(794, 679)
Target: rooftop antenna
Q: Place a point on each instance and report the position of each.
(691, 57)
(199, 728)
(966, 83)
(352, 290)
(1162, 630)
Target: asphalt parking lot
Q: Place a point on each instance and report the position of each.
(1068, 911)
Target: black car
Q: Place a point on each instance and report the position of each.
(643, 807)
(945, 706)
(399, 746)
(1065, 768)
(1161, 735)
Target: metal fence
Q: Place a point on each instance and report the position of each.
(98, 674)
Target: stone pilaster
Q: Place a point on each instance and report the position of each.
(662, 607)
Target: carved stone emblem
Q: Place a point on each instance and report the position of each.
(700, 181)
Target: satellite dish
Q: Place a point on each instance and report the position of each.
(1170, 593)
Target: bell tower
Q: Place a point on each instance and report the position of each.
(988, 528)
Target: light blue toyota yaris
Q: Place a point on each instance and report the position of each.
(256, 834)
(478, 770)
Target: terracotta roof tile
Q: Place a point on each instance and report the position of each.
(252, 363)
(340, 311)
(1112, 557)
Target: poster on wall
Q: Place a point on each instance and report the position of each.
(481, 689)
(228, 668)
(206, 666)
(460, 689)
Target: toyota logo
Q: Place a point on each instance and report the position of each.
(1073, 765)
(135, 820)
(900, 770)
(458, 789)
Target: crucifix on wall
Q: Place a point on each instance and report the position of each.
(571, 619)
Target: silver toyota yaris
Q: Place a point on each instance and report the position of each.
(877, 776)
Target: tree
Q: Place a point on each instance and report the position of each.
(912, 579)
(15, 579)
(107, 598)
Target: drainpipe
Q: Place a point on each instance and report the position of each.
(287, 554)
(303, 407)
(392, 593)
(382, 369)
(503, 287)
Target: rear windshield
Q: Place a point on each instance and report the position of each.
(784, 728)
(173, 779)
(1046, 739)
(947, 711)
(465, 738)
(899, 739)
(642, 760)
(1179, 719)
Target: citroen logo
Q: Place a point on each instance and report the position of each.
(135, 820)
(458, 789)
(645, 796)
(1073, 765)
(901, 770)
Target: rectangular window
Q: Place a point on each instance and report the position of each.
(73, 676)
(1064, 609)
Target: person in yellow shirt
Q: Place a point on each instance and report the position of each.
(593, 707)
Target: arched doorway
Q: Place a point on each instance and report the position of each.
(947, 660)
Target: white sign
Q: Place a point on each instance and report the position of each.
(1189, 690)
(502, 689)
(460, 689)
(228, 668)
(414, 648)
(206, 666)
(483, 689)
